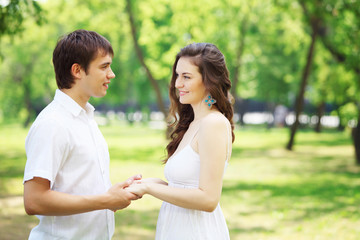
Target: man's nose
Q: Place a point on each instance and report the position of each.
(111, 74)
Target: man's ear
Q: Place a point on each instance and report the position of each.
(76, 70)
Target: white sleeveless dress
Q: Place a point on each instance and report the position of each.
(176, 223)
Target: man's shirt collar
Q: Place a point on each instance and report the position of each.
(71, 105)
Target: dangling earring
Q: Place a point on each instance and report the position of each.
(210, 101)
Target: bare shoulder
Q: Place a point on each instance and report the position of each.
(215, 121)
(213, 133)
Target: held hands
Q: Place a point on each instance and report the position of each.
(141, 187)
(138, 188)
(118, 197)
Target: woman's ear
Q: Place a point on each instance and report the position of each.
(76, 70)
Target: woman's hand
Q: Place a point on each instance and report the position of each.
(138, 188)
(141, 187)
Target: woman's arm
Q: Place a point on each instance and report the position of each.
(212, 146)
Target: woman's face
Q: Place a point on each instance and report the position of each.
(189, 82)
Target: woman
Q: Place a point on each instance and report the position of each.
(199, 150)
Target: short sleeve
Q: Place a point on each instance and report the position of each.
(46, 150)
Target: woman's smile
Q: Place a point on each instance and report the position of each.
(182, 93)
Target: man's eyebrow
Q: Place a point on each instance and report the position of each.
(105, 63)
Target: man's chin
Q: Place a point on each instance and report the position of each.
(100, 95)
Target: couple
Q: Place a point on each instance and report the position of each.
(66, 179)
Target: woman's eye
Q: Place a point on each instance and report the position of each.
(186, 77)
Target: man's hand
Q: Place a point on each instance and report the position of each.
(120, 198)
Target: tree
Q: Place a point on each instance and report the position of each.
(340, 36)
(27, 70)
(140, 55)
(14, 13)
(314, 23)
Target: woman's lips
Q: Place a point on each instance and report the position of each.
(182, 93)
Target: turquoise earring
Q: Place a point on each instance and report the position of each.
(210, 101)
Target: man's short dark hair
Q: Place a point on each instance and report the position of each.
(80, 46)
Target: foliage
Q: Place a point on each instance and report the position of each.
(349, 112)
(264, 43)
(14, 12)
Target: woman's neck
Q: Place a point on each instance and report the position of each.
(201, 110)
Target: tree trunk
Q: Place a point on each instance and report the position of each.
(299, 103)
(341, 126)
(27, 88)
(356, 141)
(270, 109)
(319, 114)
(239, 103)
(28, 103)
(240, 107)
(238, 61)
(140, 56)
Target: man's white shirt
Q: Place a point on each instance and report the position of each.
(65, 146)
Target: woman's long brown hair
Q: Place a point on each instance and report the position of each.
(215, 75)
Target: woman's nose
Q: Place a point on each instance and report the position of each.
(178, 83)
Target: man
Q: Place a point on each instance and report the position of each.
(66, 179)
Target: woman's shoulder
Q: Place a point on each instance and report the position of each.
(215, 120)
(214, 129)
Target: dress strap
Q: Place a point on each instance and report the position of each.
(229, 141)
(194, 134)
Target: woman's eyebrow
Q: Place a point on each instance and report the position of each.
(186, 73)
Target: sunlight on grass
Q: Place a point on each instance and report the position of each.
(269, 193)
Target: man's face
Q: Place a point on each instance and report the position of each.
(96, 81)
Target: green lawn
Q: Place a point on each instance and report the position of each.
(268, 194)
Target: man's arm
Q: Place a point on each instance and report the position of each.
(39, 199)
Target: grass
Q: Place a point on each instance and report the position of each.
(269, 193)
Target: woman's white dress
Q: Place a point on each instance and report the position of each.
(176, 223)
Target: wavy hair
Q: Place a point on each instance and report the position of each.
(215, 76)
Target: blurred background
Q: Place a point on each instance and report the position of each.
(294, 67)
(290, 61)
